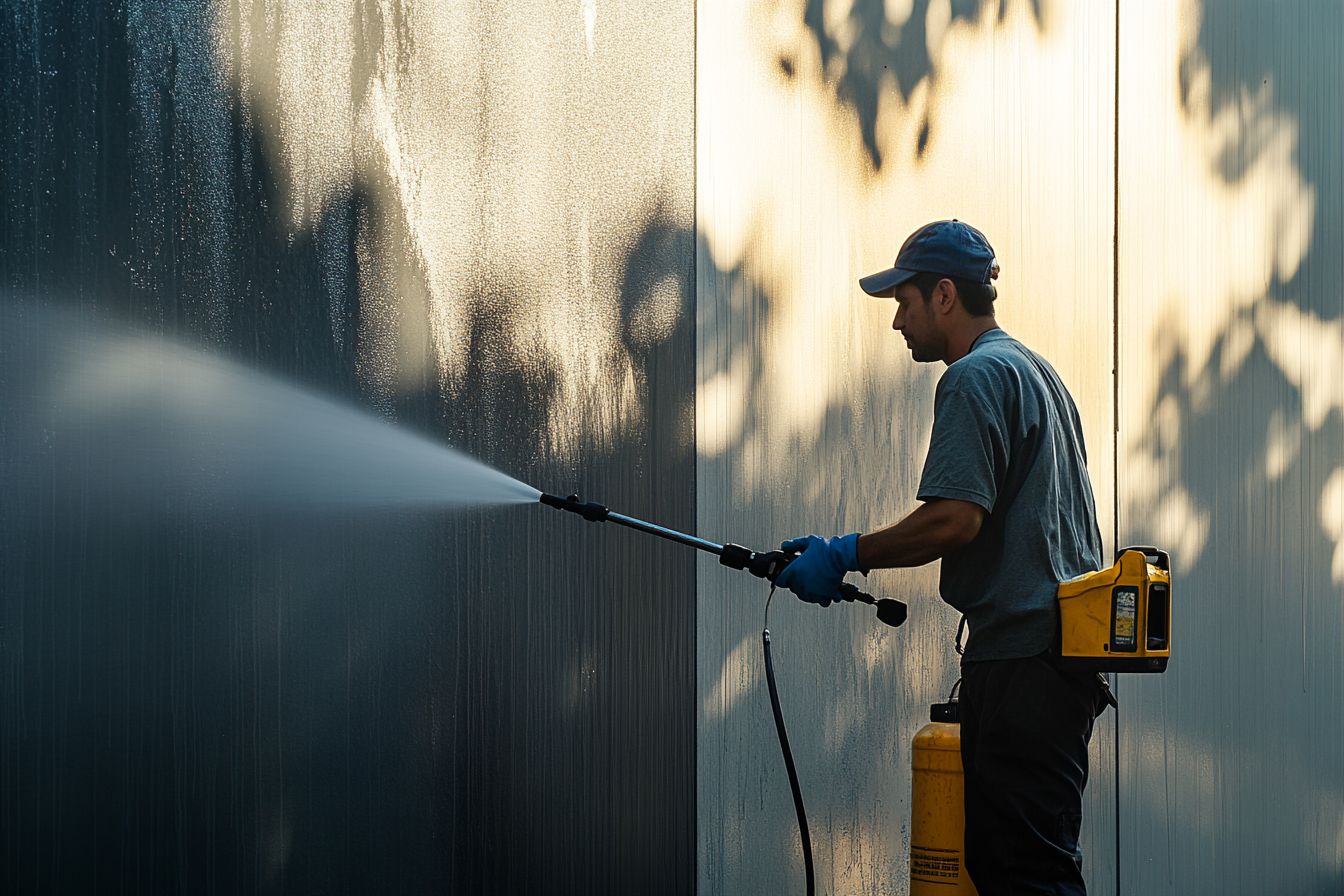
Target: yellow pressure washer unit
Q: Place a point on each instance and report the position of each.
(1118, 619)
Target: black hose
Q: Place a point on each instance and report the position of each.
(788, 754)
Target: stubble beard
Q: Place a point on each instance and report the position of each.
(921, 353)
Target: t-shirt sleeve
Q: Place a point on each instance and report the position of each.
(968, 454)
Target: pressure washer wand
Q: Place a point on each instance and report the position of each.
(762, 564)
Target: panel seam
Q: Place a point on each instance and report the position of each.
(1115, 392)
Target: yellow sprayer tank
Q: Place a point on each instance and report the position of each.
(1118, 619)
(937, 813)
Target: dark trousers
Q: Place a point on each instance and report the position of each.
(1025, 727)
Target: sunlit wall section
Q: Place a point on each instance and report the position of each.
(826, 133)
(1231, 305)
(520, 166)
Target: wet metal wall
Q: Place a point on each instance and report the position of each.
(1232, 441)
(474, 220)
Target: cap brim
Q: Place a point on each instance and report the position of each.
(883, 284)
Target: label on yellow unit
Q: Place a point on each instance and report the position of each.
(933, 865)
(1125, 616)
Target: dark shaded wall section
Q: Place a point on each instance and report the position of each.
(492, 701)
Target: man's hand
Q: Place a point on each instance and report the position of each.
(932, 530)
(817, 573)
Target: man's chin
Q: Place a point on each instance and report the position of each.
(921, 354)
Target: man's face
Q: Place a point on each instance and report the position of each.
(917, 321)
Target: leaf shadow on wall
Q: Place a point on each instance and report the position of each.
(1253, 436)
(1255, 616)
(874, 50)
(1261, 57)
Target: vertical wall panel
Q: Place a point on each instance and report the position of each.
(473, 219)
(826, 133)
(1232, 442)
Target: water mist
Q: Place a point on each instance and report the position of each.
(142, 414)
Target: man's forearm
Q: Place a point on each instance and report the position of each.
(930, 531)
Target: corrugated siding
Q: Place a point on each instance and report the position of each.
(1232, 446)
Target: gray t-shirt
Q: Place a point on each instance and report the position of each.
(1006, 436)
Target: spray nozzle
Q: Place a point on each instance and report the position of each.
(892, 612)
(592, 512)
(769, 564)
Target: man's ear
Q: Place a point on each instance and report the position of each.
(945, 292)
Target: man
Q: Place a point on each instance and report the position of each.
(1008, 507)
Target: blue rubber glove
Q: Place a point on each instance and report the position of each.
(816, 575)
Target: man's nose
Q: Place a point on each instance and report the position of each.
(896, 322)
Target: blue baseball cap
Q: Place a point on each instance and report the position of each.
(950, 248)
